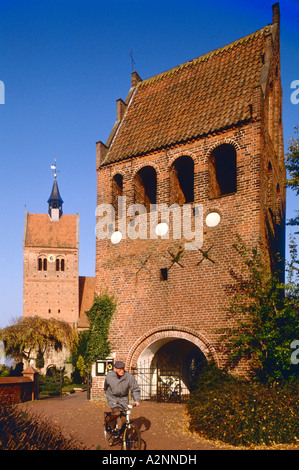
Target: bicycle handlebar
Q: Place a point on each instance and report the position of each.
(128, 407)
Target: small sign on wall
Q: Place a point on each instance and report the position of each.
(103, 366)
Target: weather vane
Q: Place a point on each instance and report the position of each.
(54, 168)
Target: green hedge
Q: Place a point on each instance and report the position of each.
(241, 413)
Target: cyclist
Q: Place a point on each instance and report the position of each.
(117, 385)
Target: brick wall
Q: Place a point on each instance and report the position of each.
(15, 390)
(51, 293)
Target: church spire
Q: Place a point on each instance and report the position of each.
(55, 201)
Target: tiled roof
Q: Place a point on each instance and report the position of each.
(194, 99)
(40, 231)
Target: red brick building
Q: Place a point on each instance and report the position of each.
(207, 134)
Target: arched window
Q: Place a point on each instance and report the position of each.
(42, 263)
(117, 189)
(146, 187)
(60, 264)
(223, 171)
(182, 181)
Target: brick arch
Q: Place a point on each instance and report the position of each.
(143, 164)
(173, 332)
(179, 155)
(221, 142)
(117, 172)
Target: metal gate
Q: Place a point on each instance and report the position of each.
(50, 385)
(162, 384)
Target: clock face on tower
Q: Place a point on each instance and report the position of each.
(51, 258)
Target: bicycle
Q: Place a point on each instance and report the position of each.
(129, 435)
(171, 387)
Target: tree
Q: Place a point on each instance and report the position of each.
(31, 337)
(292, 265)
(265, 315)
(292, 167)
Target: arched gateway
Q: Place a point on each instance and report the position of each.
(167, 361)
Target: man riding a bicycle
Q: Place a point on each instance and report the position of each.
(118, 384)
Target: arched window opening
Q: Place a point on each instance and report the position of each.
(182, 181)
(60, 264)
(223, 170)
(42, 264)
(117, 189)
(146, 187)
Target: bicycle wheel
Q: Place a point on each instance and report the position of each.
(132, 438)
(111, 435)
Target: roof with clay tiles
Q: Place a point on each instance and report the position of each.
(40, 231)
(207, 94)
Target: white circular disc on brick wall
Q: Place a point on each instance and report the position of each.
(116, 237)
(161, 229)
(213, 219)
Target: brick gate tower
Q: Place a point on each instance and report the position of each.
(205, 137)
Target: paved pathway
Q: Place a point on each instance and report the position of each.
(163, 426)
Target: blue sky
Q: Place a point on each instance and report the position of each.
(64, 63)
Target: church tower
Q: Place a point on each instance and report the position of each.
(50, 260)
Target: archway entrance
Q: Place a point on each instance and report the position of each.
(168, 368)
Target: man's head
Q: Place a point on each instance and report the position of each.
(119, 368)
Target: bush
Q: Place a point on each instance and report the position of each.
(4, 371)
(242, 413)
(49, 386)
(19, 432)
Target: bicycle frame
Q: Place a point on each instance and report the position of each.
(129, 434)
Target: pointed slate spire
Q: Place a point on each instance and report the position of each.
(55, 203)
